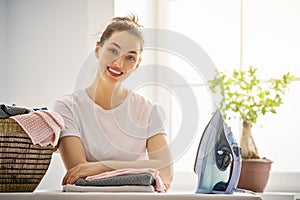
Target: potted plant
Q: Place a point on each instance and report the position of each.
(247, 97)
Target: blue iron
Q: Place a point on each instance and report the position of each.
(218, 160)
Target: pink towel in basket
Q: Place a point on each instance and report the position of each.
(42, 126)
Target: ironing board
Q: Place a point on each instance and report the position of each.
(59, 195)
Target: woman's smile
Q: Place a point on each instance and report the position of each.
(114, 71)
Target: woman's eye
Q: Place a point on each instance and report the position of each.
(113, 51)
(131, 58)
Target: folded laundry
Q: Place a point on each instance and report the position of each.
(42, 126)
(125, 188)
(159, 186)
(42, 108)
(144, 179)
(8, 111)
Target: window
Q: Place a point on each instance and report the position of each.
(215, 27)
(270, 41)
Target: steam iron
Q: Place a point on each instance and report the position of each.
(218, 160)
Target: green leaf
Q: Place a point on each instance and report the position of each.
(247, 95)
(273, 111)
(263, 110)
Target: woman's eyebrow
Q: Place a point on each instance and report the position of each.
(132, 52)
(113, 43)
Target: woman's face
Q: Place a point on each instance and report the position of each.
(119, 56)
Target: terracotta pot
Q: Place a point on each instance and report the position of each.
(254, 174)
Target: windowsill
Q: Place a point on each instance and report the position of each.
(279, 196)
(283, 182)
(184, 180)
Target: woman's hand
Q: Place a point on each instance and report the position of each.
(72, 152)
(158, 149)
(82, 170)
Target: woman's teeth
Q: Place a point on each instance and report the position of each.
(114, 71)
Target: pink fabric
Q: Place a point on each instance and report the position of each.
(43, 126)
(160, 187)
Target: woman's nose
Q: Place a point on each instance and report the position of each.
(119, 61)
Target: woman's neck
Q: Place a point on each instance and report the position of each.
(106, 95)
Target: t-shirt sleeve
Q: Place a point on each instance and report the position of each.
(64, 108)
(157, 121)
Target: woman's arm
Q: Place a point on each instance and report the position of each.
(72, 151)
(73, 155)
(158, 149)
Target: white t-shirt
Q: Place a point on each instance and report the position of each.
(117, 134)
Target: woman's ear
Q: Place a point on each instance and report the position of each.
(138, 63)
(97, 49)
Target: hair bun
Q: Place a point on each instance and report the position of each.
(130, 18)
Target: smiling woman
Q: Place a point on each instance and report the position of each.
(108, 127)
(120, 54)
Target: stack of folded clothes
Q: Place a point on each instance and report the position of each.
(122, 180)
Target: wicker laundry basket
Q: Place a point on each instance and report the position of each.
(23, 164)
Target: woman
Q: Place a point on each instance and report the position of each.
(108, 127)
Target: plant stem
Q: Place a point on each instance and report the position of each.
(249, 149)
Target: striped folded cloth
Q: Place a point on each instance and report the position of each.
(159, 186)
(143, 179)
(125, 188)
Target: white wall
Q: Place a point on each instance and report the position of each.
(47, 42)
(3, 45)
(144, 9)
(43, 45)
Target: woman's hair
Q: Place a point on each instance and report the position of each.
(119, 24)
